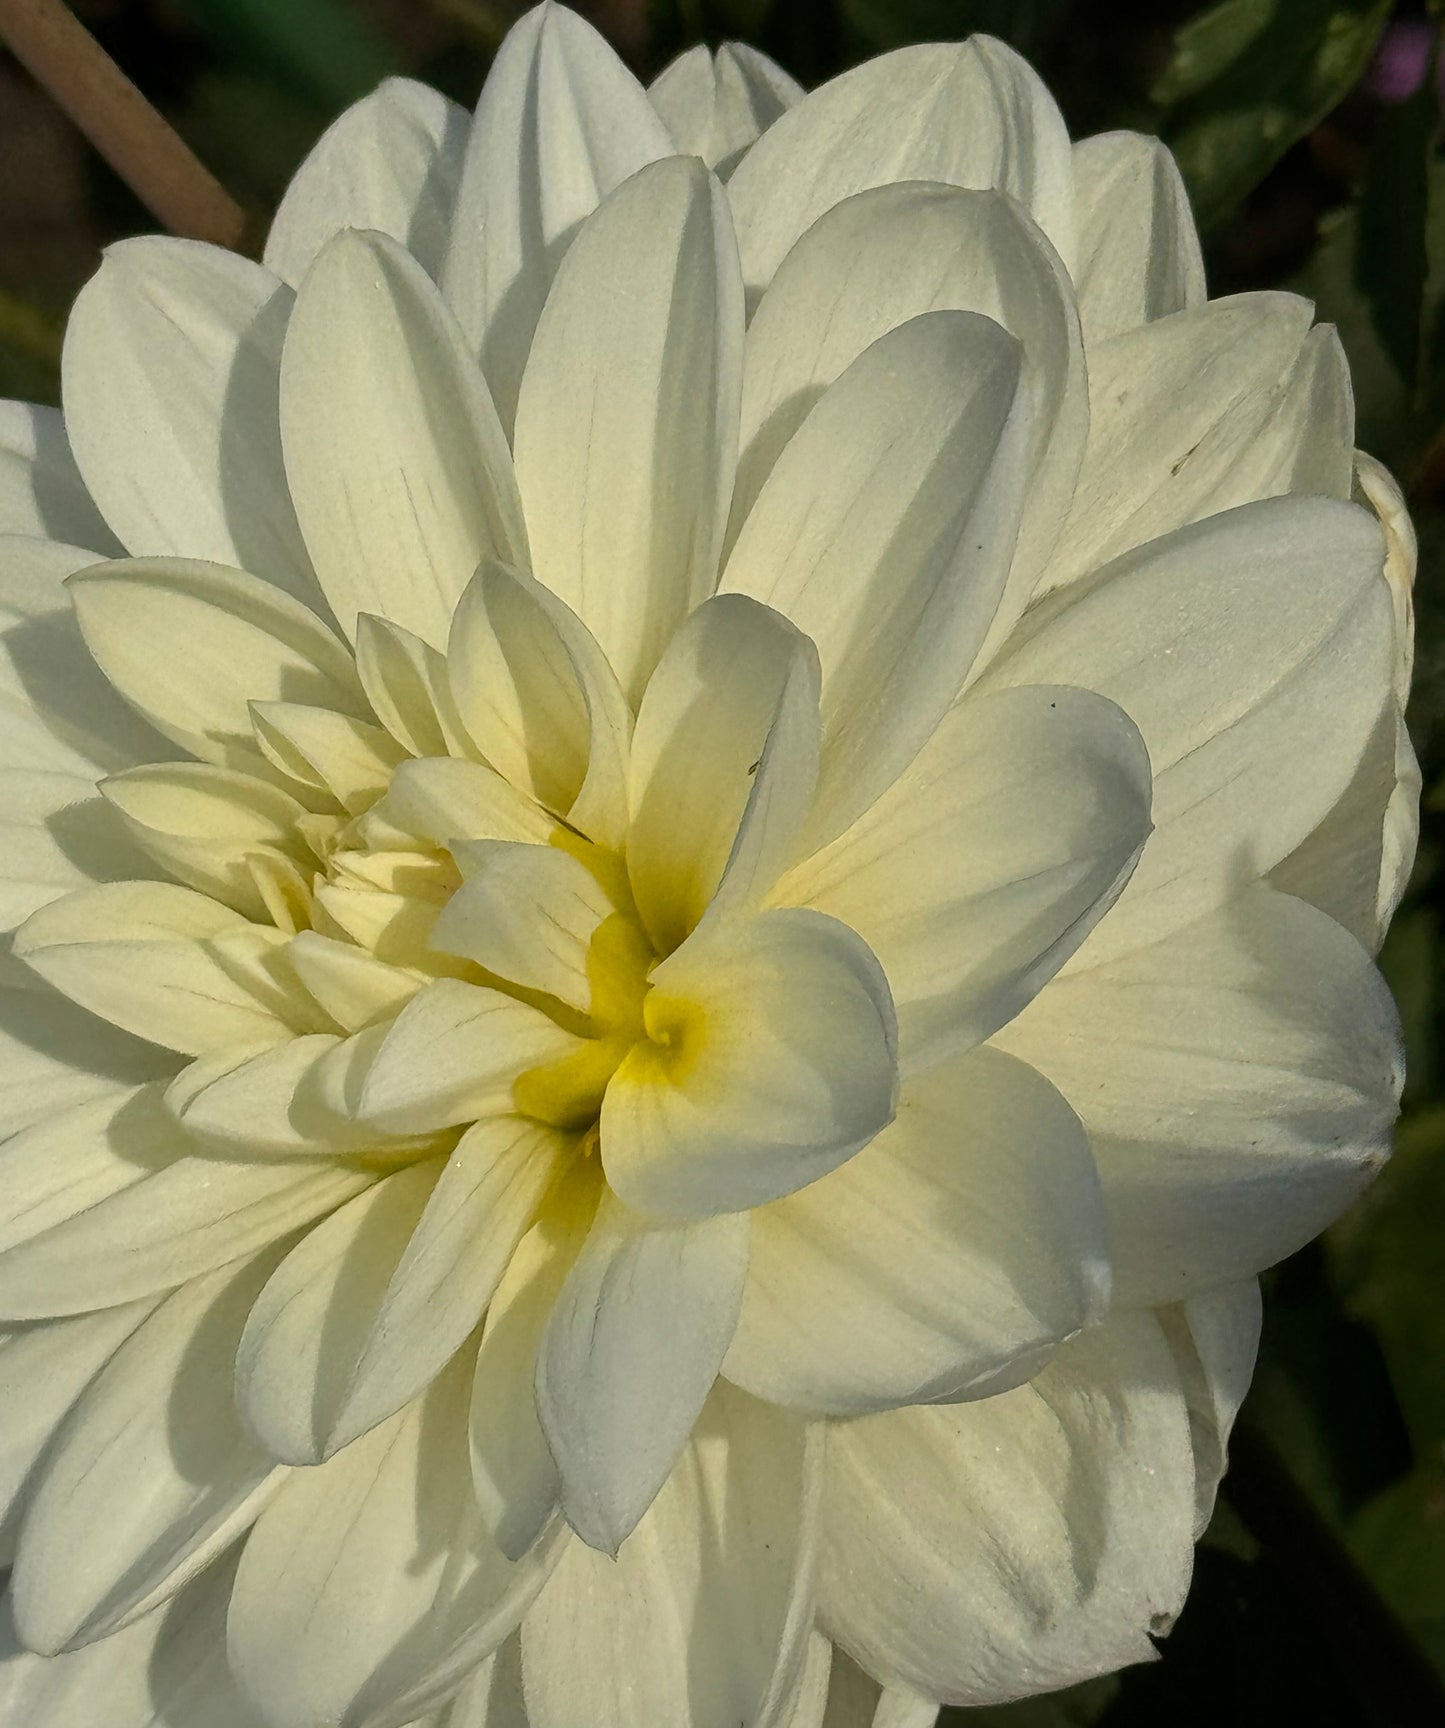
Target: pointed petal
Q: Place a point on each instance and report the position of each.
(738, 683)
(443, 799)
(629, 1356)
(978, 1505)
(771, 1058)
(335, 755)
(627, 420)
(407, 683)
(885, 531)
(41, 491)
(353, 987)
(716, 108)
(57, 834)
(981, 870)
(704, 1618)
(1215, 1339)
(969, 114)
(171, 367)
(948, 1260)
(1239, 1080)
(391, 163)
(395, 458)
(561, 123)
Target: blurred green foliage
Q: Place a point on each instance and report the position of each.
(1320, 1590)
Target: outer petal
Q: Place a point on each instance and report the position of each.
(948, 1260)
(152, 1476)
(627, 420)
(968, 114)
(368, 1590)
(1215, 1339)
(171, 367)
(1139, 256)
(1239, 1080)
(41, 491)
(885, 531)
(56, 835)
(391, 163)
(715, 107)
(1250, 650)
(703, 1619)
(629, 1356)
(394, 453)
(981, 870)
(561, 122)
(771, 1058)
(1043, 1534)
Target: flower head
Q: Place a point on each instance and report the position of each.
(701, 796)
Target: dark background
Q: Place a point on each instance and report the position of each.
(1308, 131)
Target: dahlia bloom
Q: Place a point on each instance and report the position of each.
(696, 806)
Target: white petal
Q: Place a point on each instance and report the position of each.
(855, 1700)
(167, 1670)
(407, 684)
(738, 684)
(390, 162)
(629, 1356)
(167, 964)
(885, 531)
(57, 834)
(453, 1055)
(105, 1204)
(1139, 257)
(333, 754)
(716, 108)
(152, 1476)
(771, 1058)
(981, 870)
(1215, 1339)
(483, 1204)
(171, 367)
(43, 1370)
(1251, 651)
(882, 257)
(968, 114)
(443, 799)
(60, 714)
(492, 1696)
(1239, 1080)
(627, 419)
(704, 1618)
(539, 700)
(1043, 1534)
(41, 491)
(368, 1589)
(1214, 407)
(560, 123)
(191, 645)
(353, 987)
(395, 458)
(948, 1260)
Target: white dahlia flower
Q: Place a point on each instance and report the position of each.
(695, 806)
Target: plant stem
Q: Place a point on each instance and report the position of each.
(62, 55)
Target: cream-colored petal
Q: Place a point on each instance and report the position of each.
(885, 531)
(117, 1171)
(407, 683)
(982, 869)
(627, 420)
(1250, 650)
(1044, 1534)
(368, 1589)
(191, 645)
(1139, 257)
(540, 701)
(561, 123)
(716, 106)
(629, 1356)
(353, 987)
(394, 454)
(771, 1058)
(443, 799)
(968, 114)
(492, 1695)
(390, 162)
(735, 677)
(41, 491)
(947, 1260)
(1215, 1339)
(334, 756)
(56, 835)
(453, 1055)
(703, 1620)
(1239, 1080)
(152, 1476)
(170, 377)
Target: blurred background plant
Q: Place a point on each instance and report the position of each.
(1309, 132)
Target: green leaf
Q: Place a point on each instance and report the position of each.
(1248, 78)
(1399, 1539)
